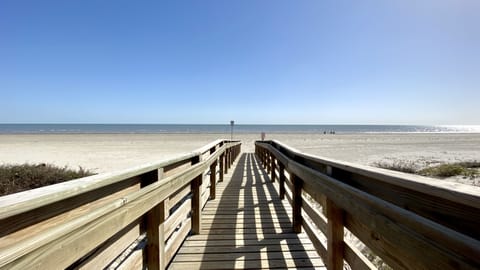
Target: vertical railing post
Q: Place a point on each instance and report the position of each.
(272, 166)
(221, 160)
(213, 176)
(155, 249)
(213, 180)
(226, 160)
(334, 236)
(281, 171)
(260, 155)
(197, 200)
(154, 219)
(296, 203)
(263, 158)
(267, 162)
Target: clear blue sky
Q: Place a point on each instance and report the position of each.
(291, 62)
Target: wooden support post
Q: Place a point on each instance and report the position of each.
(297, 203)
(226, 160)
(222, 160)
(262, 158)
(196, 185)
(155, 249)
(267, 163)
(213, 180)
(267, 160)
(272, 166)
(197, 204)
(281, 171)
(153, 226)
(264, 163)
(334, 236)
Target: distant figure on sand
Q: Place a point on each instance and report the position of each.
(263, 136)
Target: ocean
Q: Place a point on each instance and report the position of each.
(225, 129)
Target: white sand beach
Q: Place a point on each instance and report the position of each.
(107, 152)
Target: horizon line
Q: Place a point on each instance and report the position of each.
(228, 124)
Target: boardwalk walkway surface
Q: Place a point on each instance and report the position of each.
(247, 226)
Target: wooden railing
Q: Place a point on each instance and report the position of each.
(135, 218)
(410, 222)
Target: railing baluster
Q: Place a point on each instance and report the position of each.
(154, 219)
(281, 171)
(267, 162)
(155, 249)
(226, 160)
(334, 236)
(272, 166)
(221, 160)
(213, 180)
(197, 200)
(297, 203)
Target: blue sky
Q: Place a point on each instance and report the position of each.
(258, 62)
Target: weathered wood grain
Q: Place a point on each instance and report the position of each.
(411, 222)
(356, 259)
(82, 236)
(335, 245)
(247, 223)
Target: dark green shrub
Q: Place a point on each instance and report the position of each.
(16, 178)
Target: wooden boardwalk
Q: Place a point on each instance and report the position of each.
(247, 226)
(158, 215)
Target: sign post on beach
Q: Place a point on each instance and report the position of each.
(231, 129)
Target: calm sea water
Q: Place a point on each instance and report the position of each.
(169, 128)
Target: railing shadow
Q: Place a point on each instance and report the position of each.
(259, 234)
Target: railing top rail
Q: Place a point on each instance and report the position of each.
(103, 222)
(470, 195)
(20, 202)
(411, 222)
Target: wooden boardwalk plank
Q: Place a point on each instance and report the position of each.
(247, 226)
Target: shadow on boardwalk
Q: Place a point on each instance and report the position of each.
(247, 227)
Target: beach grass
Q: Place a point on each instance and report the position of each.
(466, 169)
(16, 178)
(398, 165)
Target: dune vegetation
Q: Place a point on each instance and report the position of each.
(469, 169)
(16, 178)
